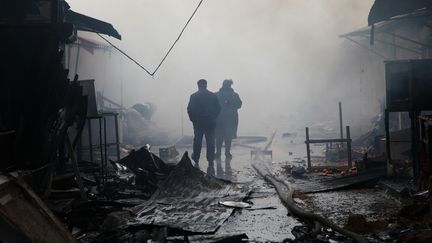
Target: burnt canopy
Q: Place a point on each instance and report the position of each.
(385, 9)
(41, 11)
(86, 23)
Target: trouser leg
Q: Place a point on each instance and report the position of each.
(210, 141)
(228, 154)
(219, 169)
(219, 142)
(197, 143)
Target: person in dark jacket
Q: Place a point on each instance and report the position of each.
(227, 121)
(203, 108)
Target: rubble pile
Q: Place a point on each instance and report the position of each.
(190, 201)
(111, 195)
(144, 198)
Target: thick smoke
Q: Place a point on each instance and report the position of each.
(285, 57)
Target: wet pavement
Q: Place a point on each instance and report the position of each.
(274, 224)
(374, 204)
(262, 224)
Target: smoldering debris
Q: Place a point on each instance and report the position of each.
(315, 182)
(167, 201)
(110, 195)
(314, 222)
(148, 168)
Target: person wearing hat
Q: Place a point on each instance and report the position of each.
(203, 108)
(227, 120)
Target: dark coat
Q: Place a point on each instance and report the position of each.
(227, 121)
(203, 108)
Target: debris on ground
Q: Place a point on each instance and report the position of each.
(418, 236)
(298, 171)
(299, 194)
(358, 223)
(168, 154)
(315, 182)
(185, 201)
(314, 222)
(303, 234)
(125, 184)
(188, 200)
(232, 204)
(229, 238)
(148, 168)
(24, 216)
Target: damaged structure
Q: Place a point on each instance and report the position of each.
(400, 33)
(77, 166)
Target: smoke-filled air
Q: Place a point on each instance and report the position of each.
(286, 59)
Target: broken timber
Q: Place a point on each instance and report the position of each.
(285, 192)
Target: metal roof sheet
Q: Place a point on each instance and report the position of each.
(189, 200)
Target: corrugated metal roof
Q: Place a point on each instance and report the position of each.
(189, 200)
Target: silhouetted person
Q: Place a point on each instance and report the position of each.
(227, 121)
(203, 108)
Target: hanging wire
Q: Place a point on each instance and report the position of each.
(125, 54)
(166, 54)
(178, 38)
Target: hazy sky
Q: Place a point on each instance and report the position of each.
(285, 57)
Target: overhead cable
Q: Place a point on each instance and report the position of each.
(126, 55)
(166, 54)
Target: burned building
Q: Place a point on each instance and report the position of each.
(81, 166)
(400, 35)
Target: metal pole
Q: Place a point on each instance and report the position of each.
(340, 122)
(101, 149)
(117, 136)
(308, 148)
(414, 147)
(105, 148)
(79, 148)
(121, 95)
(400, 120)
(77, 59)
(182, 122)
(90, 143)
(348, 134)
(388, 148)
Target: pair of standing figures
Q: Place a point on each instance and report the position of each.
(215, 116)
